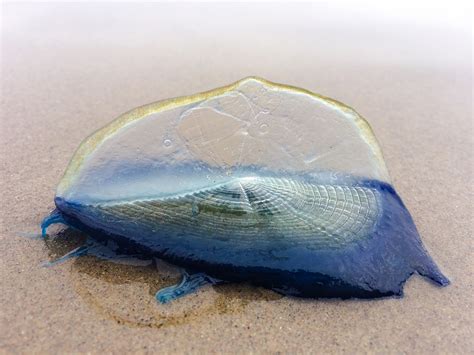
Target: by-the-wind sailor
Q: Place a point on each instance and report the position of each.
(256, 182)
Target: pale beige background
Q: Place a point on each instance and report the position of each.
(69, 69)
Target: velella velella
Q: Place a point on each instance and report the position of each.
(257, 182)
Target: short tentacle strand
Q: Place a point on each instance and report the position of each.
(79, 251)
(188, 284)
(54, 217)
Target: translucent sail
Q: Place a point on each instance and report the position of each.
(252, 123)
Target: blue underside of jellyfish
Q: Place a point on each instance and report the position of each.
(377, 266)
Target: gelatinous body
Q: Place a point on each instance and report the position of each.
(253, 182)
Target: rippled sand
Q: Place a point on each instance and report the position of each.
(68, 70)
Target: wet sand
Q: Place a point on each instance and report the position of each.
(67, 70)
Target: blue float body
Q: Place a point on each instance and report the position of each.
(375, 266)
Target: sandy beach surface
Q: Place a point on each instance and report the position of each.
(67, 70)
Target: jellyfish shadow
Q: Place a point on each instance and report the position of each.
(122, 287)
